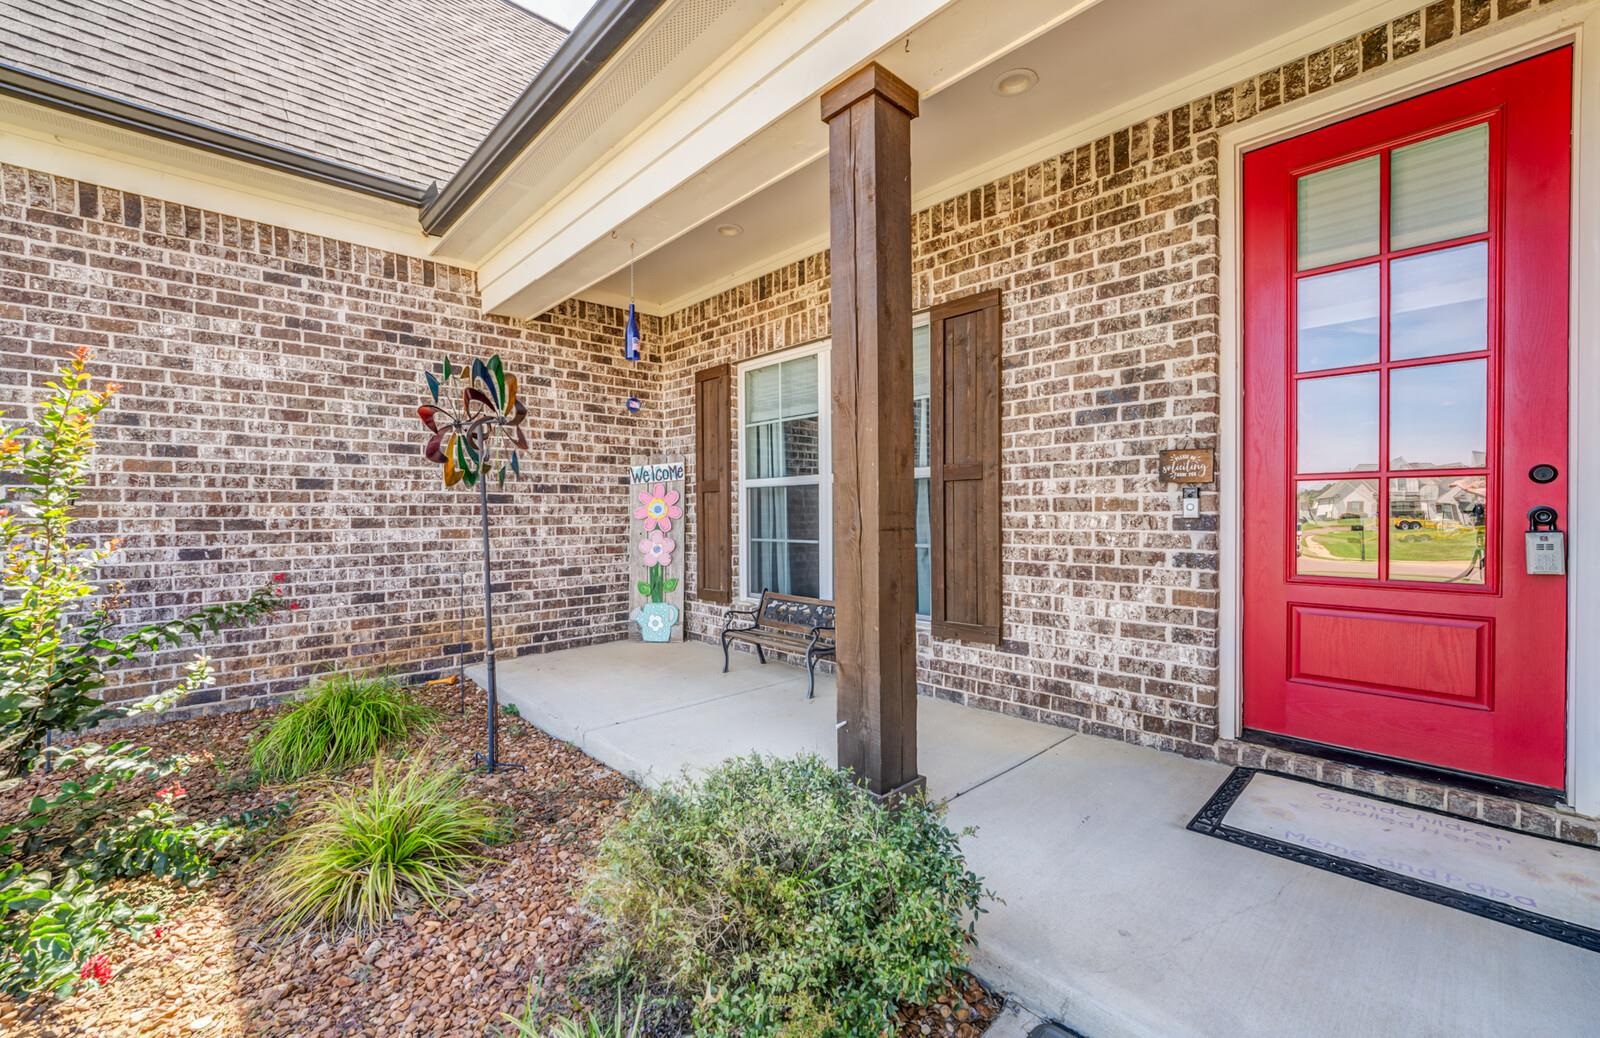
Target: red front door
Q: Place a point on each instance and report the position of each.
(1405, 376)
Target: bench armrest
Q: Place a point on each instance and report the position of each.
(817, 635)
(730, 615)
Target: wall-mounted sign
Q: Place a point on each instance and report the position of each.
(1189, 465)
(663, 473)
(656, 545)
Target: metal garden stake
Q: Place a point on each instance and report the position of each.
(464, 441)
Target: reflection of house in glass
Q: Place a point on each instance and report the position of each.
(1343, 499)
(1455, 500)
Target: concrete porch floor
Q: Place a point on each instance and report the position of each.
(1116, 920)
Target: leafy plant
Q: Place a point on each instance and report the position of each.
(342, 721)
(59, 645)
(784, 899)
(408, 835)
(53, 924)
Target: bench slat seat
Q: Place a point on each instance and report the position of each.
(783, 623)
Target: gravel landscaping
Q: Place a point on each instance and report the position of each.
(212, 970)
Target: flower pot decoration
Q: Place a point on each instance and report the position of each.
(657, 616)
(658, 507)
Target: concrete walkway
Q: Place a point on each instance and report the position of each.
(1116, 920)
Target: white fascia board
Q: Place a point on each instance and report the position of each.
(751, 123)
(764, 87)
(72, 146)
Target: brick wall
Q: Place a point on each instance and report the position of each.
(267, 423)
(1107, 257)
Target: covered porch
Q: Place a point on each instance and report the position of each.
(1112, 917)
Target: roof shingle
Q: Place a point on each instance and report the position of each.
(403, 89)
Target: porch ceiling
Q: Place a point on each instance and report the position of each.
(1109, 63)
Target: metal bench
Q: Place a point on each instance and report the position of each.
(787, 623)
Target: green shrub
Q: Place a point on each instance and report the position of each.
(411, 834)
(342, 721)
(784, 899)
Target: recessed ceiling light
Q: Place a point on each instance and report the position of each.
(729, 230)
(1017, 81)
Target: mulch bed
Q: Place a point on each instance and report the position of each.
(213, 972)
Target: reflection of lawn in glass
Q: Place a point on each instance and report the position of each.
(1450, 544)
(1340, 541)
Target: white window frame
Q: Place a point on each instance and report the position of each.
(823, 351)
(824, 478)
(923, 320)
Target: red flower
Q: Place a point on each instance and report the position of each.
(158, 932)
(97, 969)
(279, 578)
(294, 605)
(172, 792)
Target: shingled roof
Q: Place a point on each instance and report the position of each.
(404, 89)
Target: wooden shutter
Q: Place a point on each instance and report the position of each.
(964, 449)
(713, 421)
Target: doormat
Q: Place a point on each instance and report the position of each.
(1532, 882)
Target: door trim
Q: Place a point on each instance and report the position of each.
(1514, 43)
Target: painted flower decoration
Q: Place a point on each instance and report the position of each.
(461, 440)
(657, 550)
(658, 506)
(655, 621)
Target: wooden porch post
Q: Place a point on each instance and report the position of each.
(874, 568)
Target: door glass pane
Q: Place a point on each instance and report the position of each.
(1439, 302)
(1439, 188)
(1437, 415)
(1338, 423)
(1337, 213)
(1337, 524)
(1436, 529)
(1337, 319)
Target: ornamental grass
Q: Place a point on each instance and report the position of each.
(342, 721)
(408, 836)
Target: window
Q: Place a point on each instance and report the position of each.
(787, 519)
(787, 493)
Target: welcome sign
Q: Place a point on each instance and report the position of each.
(658, 510)
(663, 473)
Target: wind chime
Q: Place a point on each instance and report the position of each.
(630, 332)
(465, 439)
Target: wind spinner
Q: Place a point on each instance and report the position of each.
(469, 433)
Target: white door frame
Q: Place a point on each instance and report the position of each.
(1516, 41)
